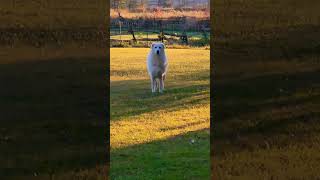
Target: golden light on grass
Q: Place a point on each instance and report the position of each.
(182, 109)
(158, 125)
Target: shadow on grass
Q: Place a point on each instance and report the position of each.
(184, 126)
(251, 111)
(247, 95)
(172, 158)
(270, 44)
(52, 116)
(244, 105)
(137, 98)
(51, 89)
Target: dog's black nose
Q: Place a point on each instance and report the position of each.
(158, 52)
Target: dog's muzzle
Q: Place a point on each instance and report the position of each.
(158, 52)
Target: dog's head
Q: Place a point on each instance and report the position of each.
(157, 48)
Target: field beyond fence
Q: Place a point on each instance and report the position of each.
(190, 28)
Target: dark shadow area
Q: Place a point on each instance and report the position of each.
(249, 95)
(66, 88)
(53, 116)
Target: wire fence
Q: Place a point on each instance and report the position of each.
(137, 32)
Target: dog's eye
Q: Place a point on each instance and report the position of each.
(159, 47)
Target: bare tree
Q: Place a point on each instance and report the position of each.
(133, 4)
(118, 4)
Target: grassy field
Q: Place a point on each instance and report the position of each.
(267, 87)
(161, 136)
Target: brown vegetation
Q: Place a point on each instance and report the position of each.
(160, 14)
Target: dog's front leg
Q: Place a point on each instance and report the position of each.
(157, 85)
(161, 84)
(163, 78)
(152, 85)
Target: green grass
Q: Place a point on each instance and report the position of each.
(195, 39)
(266, 113)
(151, 134)
(174, 158)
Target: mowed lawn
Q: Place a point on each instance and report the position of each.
(160, 136)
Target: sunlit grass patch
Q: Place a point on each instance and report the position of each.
(144, 123)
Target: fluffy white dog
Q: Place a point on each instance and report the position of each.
(157, 66)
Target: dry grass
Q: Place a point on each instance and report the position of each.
(161, 14)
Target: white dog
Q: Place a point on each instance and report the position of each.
(157, 66)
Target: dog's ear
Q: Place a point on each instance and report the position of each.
(152, 45)
(163, 46)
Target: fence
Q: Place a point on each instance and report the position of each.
(173, 30)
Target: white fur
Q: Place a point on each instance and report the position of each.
(157, 65)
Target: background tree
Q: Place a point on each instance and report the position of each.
(133, 4)
(119, 4)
